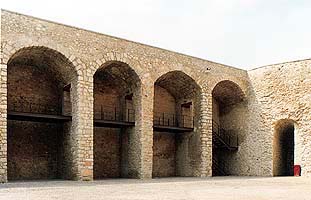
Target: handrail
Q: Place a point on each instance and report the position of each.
(229, 140)
(111, 113)
(219, 167)
(31, 107)
(173, 120)
(105, 112)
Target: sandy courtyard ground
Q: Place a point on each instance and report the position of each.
(223, 188)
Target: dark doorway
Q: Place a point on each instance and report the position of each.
(283, 149)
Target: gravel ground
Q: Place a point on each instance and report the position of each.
(223, 188)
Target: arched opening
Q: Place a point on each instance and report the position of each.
(284, 148)
(175, 106)
(116, 91)
(39, 110)
(228, 116)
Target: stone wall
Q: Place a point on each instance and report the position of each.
(282, 92)
(235, 124)
(216, 111)
(164, 154)
(33, 151)
(107, 141)
(107, 153)
(232, 118)
(33, 147)
(164, 102)
(272, 93)
(269, 97)
(31, 89)
(164, 144)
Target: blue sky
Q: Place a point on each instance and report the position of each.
(241, 33)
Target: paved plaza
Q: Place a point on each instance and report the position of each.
(224, 188)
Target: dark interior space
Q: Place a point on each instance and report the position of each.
(283, 149)
(35, 86)
(115, 90)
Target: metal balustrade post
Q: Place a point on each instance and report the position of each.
(101, 112)
(173, 119)
(115, 113)
(163, 119)
(169, 119)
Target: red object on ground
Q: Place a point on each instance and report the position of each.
(297, 170)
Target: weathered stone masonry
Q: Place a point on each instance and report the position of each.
(90, 72)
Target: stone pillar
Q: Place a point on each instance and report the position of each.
(82, 128)
(3, 123)
(205, 131)
(141, 137)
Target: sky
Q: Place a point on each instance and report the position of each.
(241, 33)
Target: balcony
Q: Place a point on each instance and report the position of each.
(114, 117)
(106, 117)
(167, 122)
(25, 111)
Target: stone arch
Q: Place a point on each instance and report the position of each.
(228, 92)
(284, 139)
(120, 68)
(37, 76)
(232, 82)
(111, 57)
(176, 105)
(229, 116)
(178, 83)
(64, 69)
(117, 90)
(10, 48)
(121, 73)
(183, 71)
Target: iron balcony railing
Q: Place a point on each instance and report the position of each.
(104, 113)
(172, 120)
(114, 114)
(37, 108)
(228, 139)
